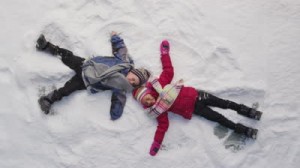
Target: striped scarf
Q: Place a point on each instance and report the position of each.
(166, 98)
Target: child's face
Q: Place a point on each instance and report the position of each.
(133, 79)
(148, 100)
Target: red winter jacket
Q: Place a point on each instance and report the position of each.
(183, 105)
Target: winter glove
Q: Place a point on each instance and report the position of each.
(154, 148)
(118, 100)
(164, 47)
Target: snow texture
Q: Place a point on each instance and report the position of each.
(246, 51)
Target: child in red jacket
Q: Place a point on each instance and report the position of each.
(160, 97)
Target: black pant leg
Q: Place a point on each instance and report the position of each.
(211, 100)
(74, 84)
(212, 115)
(72, 61)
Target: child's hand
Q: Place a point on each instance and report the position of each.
(164, 47)
(113, 33)
(154, 148)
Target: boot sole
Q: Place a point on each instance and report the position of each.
(254, 134)
(40, 103)
(37, 41)
(257, 115)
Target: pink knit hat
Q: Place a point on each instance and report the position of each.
(140, 92)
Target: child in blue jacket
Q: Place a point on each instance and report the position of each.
(96, 74)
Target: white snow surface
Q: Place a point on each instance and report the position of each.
(246, 51)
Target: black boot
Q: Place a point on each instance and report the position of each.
(46, 101)
(43, 45)
(247, 131)
(249, 112)
(45, 104)
(41, 42)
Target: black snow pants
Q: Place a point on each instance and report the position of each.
(205, 99)
(76, 82)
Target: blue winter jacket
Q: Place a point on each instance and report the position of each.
(121, 55)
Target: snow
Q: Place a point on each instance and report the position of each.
(246, 51)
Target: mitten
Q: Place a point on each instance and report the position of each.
(164, 47)
(154, 148)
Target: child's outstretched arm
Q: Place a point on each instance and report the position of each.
(119, 48)
(118, 100)
(162, 127)
(168, 71)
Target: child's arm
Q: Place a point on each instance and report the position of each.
(168, 71)
(119, 48)
(118, 100)
(163, 125)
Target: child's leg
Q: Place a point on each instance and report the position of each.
(72, 61)
(74, 84)
(211, 115)
(68, 58)
(211, 100)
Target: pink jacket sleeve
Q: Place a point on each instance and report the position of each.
(168, 72)
(162, 127)
(165, 78)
